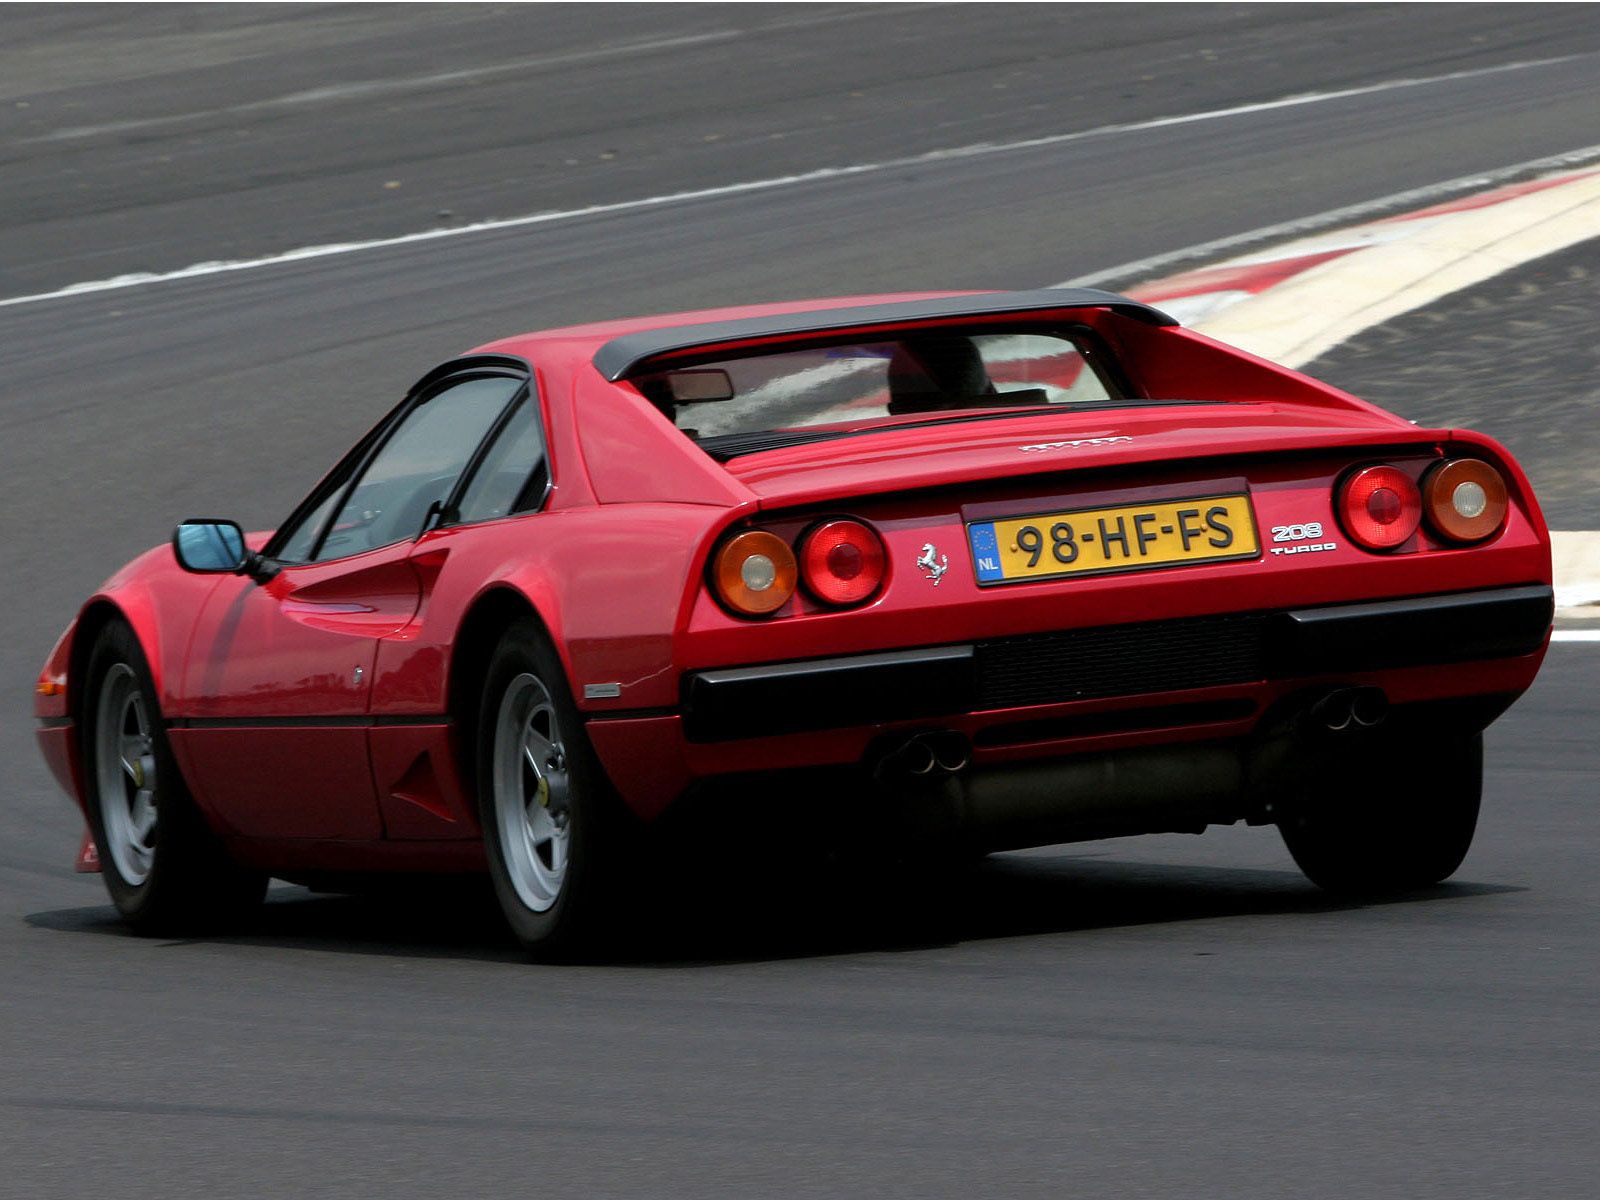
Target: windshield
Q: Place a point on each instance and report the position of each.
(913, 374)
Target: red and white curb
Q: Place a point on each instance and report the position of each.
(1298, 299)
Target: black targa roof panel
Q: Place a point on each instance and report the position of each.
(621, 355)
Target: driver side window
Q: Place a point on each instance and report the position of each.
(415, 468)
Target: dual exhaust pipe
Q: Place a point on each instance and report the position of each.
(1349, 710)
(937, 754)
(927, 756)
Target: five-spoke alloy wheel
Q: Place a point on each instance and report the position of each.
(164, 868)
(126, 773)
(554, 832)
(532, 792)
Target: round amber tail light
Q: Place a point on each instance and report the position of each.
(1379, 506)
(842, 562)
(1465, 499)
(754, 573)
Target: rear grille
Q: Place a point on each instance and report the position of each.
(1122, 660)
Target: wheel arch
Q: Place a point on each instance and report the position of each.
(92, 620)
(480, 631)
(96, 615)
(161, 604)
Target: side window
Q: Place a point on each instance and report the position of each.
(297, 536)
(416, 467)
(297, 548)
(507, 469)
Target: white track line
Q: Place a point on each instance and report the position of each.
(1576, 635)
(977, 150)
(1418, 197)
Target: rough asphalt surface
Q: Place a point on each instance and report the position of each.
(1173, 1016)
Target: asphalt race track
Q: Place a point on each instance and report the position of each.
(1151, 1017)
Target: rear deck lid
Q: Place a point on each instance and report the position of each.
(960, 451)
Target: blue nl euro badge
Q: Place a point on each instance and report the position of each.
(985, 552)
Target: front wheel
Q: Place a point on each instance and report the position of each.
(1389, 818)
(165, 870)
(553, 830)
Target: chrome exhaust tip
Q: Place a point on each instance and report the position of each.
(1369, 706)
(928, 755)
(1334, 712)
(951, 751)
(1347, 710)
(917, 758)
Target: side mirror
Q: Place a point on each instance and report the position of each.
(209, 547)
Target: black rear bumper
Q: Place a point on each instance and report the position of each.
(1424, 632)
(1118, 660)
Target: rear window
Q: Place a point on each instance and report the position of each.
(926, 374)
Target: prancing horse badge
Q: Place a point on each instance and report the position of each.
(933, 563)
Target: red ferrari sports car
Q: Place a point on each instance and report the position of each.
(1003, 569)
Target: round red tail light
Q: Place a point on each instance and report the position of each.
(753, 572)
(1465, 499)
(1380, 507)
(842, 562)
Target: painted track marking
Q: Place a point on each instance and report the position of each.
(822, 174)
(1350, 213)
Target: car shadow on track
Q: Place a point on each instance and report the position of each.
(768, 915)
(1005, 896)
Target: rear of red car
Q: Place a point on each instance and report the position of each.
(1179, 603)
(980, 571)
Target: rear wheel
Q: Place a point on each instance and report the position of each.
(552, 828)
(1389, 818)
(165, 870)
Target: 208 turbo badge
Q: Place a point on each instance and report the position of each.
(1300, 534)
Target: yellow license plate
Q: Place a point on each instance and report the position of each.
(1128, 537)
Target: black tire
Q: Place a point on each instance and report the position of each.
(1389, 818)
(178, 878)
(576, 911)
